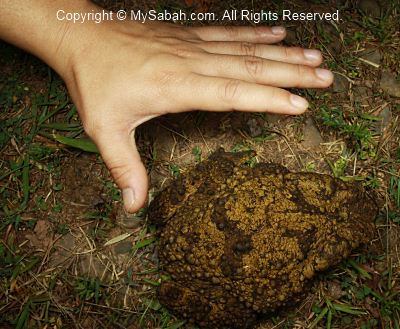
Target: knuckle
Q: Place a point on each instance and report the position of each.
(254, 66)
(302, 75)
(229, 91)
(302, 72)
(293, 52)
(165, 77)
(248, 48)
(258, 31)
(231, 32)
(286, 53)
(184, 52)
(166, 86)
(297, 51)
(164, 81)
(299, 74)
(118, 171)
(277, 94)
(96, 125)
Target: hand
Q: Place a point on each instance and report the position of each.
(121, 74)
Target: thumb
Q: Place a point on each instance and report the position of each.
(122, 158)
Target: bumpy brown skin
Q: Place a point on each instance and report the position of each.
(239, 242)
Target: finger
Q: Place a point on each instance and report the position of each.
(264, 71)
(121, 157)
(293, 55)
(221, 94)
(173, 31)
(261, 34)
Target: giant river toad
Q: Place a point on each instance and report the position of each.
(239, 242)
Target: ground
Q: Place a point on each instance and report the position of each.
(70, 257)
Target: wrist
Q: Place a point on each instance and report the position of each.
(35, 27)
(68, 39)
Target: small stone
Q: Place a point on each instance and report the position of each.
(336, 45)
(123, 247)
(372, 55)
(291, 38)
(340, 84)
(130, 221)
(362, 95)
(333, 43)
(342, 3)
(386, 118)
(41, 236)
(368, 83)
(370, 8)
(90, 265)
(334, 290)
(312, 136)
(272, 118)
(361, 92)
(254, 127)
(390, 85)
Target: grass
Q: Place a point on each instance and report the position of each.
(362, 289)
(56, 268)
(358, 129)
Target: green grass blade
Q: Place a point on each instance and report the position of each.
(151, 282)
(23, 317)
(318, 318)
(12, 171)
(396, 321)
(83, 144)
(359, 269)
(25, 181)
(50, 114)
(62, 126)
(329, 320)
(143, 243)
(370, 117)
(348, 309)
(97, 291)
(22, 267)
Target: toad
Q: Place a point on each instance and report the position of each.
(240, 242)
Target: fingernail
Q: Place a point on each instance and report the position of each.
(128, 195)
(298, 102)
(277, 30)
(324, 74)
(312, 55)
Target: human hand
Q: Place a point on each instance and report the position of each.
(121, 74)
